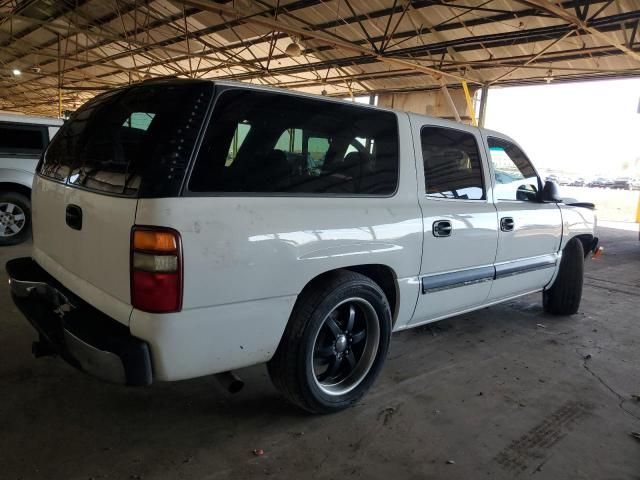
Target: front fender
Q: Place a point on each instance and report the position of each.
(577, 221)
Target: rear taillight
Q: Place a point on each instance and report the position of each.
(156, 269)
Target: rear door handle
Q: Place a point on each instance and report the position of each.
(507, 224)
(442, 228)
(74, 216)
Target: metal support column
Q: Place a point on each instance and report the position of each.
(484, 95)
(449, 100)
(59, 79)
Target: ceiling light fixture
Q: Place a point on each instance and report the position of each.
(549, 77)
(293, 49)
(16, 72)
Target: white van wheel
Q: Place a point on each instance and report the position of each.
(335, 344)
(15, 218)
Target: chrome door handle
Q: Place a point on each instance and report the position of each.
(442, 228)
(507, 224)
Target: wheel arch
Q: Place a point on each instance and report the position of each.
(15, 187)
(587, 240)
(384, 276)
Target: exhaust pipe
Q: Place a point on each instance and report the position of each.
(230, 381)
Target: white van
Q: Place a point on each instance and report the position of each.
(22, 139)
(186, 228)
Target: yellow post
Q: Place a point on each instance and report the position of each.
(472, 112)
(638, 211)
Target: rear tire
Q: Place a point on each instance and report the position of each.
(335, 343)
(563, 297)
(15, 218)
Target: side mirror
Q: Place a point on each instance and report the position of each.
(528, 193)
(551, 192)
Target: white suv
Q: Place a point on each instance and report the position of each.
(22, 139)
(186, 228)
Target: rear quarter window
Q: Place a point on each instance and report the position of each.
(22, 139)
(262, 142)
(136, 141)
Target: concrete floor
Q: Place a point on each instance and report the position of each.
(507, 391)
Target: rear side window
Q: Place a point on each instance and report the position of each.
(260, 142)
(17, 139)
(452, 165)
(136, 141)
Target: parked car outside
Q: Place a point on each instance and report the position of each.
(22, 139)
(622, 183)
(564, 181)
(167, 247)
(577, 182)
(600, 182)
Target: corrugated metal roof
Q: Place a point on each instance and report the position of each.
(74, 49)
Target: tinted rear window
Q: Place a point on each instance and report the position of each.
(129, 142)
(452, 165)
(17, 139)
(260, 142)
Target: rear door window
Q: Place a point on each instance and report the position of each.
(296, 145)
(452, 165)
(129, 142)
(20, 139)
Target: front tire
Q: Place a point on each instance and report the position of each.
(15, 218)
(335, 343)
(563, 297)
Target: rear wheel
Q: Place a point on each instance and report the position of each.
(335, 343)
(563, 297)
(15, 218)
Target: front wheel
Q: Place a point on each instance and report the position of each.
(335, 344)
(563, 297)
(15, 218)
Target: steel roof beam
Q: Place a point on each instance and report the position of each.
(462, 45)
(320, 37)
(581, 24)
(416, 4)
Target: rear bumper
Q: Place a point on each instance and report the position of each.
(69, 327)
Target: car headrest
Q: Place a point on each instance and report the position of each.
(352, 159)
(277, 161)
